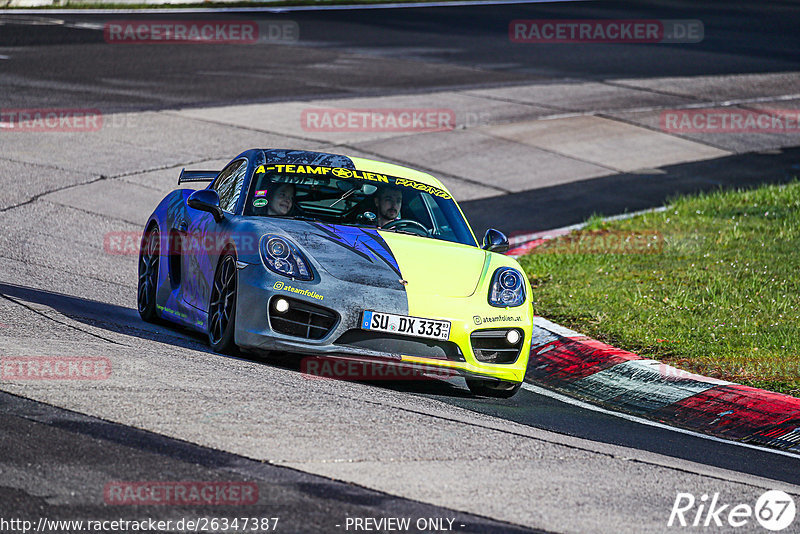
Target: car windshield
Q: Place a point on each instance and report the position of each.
(359, 198)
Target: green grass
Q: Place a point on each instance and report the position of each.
(711, 285)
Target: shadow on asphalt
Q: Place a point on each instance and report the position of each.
(428, 386)
(109, 317)
(126, 321)
(525, 408)
(103, 452)
(562, 205)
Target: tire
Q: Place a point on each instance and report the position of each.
(222, 306)
(149, 260)
(493, 388)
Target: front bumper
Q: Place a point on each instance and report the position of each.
(254, 330)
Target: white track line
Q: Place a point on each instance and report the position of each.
(281, 9)
(586, 406)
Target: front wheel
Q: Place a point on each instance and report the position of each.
(493, 388)
(222, 309)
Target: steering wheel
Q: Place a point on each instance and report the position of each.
(409, 225)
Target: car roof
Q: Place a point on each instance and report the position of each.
(370, 165)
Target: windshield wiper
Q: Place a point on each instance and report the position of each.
(294, 217)
(398, 231)
(347, 194)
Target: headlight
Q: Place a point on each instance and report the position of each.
(507, 289)
(282, 257)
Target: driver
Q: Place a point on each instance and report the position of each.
(388, 201)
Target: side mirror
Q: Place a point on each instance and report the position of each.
(206, 200)
(495, 241)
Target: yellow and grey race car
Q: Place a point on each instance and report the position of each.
(329, 255)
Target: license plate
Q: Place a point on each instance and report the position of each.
(405, 325)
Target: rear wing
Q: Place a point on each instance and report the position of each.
(196, 176)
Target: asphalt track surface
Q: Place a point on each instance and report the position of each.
(347, 54)
(357, 53)
(54, 460)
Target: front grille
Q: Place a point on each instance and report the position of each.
(397, 344)
(491, 346)
(302, 319)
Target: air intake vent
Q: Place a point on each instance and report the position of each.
(302, 319)
(492, 346)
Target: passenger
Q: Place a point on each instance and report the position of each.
(280, 200)
(388, 201)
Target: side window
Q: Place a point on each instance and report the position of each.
(229, 185)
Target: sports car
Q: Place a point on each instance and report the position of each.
(323, 254)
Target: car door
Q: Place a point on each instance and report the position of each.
(206, 237)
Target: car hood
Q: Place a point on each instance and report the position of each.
(434, 267)
(382, 259)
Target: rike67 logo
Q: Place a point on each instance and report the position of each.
(774, 510)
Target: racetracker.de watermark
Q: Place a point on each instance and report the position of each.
(51, 120)
(55, 368)
(377, 120)
(321, 367)
(181, 493)
(605, 242)
(213, 243)
(565, 31)
(779, 121)
(200, 32)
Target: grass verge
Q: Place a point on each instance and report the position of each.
(710, 285)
